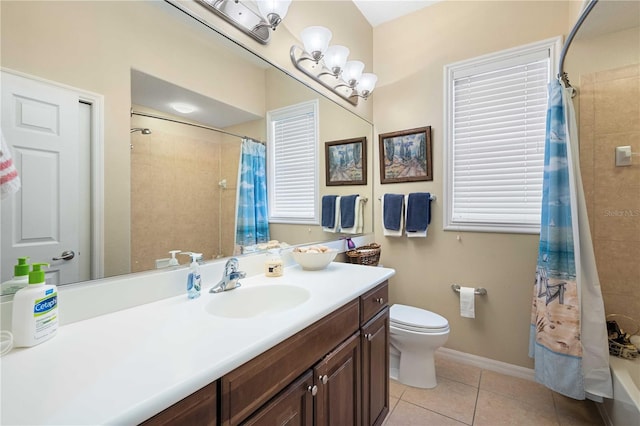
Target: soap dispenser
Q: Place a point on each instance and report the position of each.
(20, 277)
(193, 279)
(173, 261)
(35, 310)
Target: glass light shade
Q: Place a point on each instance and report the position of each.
(335, 57)
(367, 83)
(316, 40)
(277, 7)
(352, 72)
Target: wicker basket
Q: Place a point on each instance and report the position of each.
(365, 255)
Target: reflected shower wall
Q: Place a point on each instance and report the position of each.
(177, 201)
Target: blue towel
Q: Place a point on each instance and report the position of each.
(418, 211)
(329, 211)
(347, 211)
(392, 215)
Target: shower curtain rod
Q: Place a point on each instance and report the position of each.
(561, 74)
(201, 126)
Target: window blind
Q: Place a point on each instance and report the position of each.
(293, 173)
(497, 121)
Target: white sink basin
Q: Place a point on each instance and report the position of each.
(250, 302)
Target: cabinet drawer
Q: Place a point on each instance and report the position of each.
(252, 384)
(373, 301)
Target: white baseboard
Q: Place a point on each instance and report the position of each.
(488, 364)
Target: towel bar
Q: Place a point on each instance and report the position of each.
(431, 198)
(479, 291)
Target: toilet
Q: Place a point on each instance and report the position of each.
(415, 334)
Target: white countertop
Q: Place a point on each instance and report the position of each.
(126, 366)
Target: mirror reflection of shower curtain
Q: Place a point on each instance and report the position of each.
(568, 333)
(252, 220)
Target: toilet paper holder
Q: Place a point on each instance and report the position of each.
(480, 291)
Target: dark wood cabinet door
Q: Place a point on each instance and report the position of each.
(375, 369)
(199, 408)
(253, 384)
(337, 377)
(292, 407)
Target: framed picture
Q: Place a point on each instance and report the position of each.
(405, 156)
(346, 162)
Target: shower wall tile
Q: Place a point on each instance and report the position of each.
(618, 265)
(616, 106)
(610, 117)
(618, 73)
(626, 303)
(617, 214)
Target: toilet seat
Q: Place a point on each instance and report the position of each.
(418, 320)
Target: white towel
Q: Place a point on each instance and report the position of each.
(358, 223)
(336, 223)
(9, 179)
(467, 302)
(390, 232)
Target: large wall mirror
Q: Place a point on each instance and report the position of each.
(173, 186)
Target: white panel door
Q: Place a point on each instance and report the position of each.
(40, 123)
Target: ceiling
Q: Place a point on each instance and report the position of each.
(610, 16)
(380, 11)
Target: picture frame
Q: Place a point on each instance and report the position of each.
(406, 156)
(346, 162)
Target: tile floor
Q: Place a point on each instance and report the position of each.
(468, 395)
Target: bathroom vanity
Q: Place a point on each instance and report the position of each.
(318, 357)
(334, 372)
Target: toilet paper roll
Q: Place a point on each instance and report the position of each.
(467, 302)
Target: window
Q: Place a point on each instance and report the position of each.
(495, 120)
(292, 138)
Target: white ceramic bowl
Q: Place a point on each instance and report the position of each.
(314, 261)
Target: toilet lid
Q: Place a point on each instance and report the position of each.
(413, 317)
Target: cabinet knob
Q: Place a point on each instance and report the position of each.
(380, 300)
(368, 336)
(323, 379)
(313, 389)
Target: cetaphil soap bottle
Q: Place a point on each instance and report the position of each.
(35, 310)
(193, 279)
(20, 277)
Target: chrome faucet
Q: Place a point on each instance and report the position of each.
(230, 278)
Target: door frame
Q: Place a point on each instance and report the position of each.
(96, 102)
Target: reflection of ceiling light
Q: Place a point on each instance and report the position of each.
(183, 108)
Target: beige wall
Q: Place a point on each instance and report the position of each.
(409, 56)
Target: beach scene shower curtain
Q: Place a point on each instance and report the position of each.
(568, 333)
(252, 220)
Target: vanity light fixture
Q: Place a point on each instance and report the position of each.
(254, 23)
(328, 65)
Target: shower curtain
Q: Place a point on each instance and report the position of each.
(252, 220)
(568, 337)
